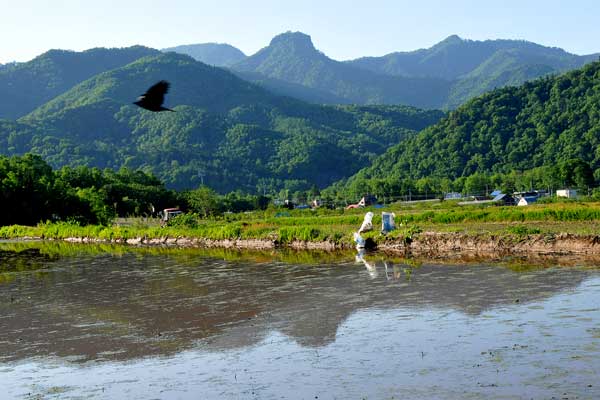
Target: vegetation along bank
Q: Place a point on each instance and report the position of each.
(437, 229)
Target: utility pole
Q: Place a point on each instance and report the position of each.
(201, 174)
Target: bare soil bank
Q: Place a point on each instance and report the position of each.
(432, 244)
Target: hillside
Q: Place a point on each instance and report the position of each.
(549, 123)
(217, 54)
(25, 86)
(444, 76)
(227, 133)
(476, 66)
(455, 57)
(291, 57)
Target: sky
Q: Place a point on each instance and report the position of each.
(342, 29)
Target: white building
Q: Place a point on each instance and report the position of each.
(527, 200)
(568, 193)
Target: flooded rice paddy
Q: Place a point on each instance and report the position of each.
(79, 322)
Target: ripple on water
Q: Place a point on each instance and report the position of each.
(147, 326)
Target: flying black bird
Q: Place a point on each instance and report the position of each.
(153, 98)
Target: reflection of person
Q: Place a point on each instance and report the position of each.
(370, 266)
(392, 271)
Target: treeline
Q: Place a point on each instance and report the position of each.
(31, 192)
(542, 124)
(573, 173)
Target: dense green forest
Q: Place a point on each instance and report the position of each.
(31, 192)
(545, 132)
(227, 133)
(25, 86)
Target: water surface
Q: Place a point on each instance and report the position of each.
(106, 323)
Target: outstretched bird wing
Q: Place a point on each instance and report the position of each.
(156, 93)
(153, 98)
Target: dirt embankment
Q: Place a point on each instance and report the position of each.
(427, 243)
(437, 244)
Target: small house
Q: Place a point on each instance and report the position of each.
(568, 193)
(504, 199)
(530, 193)
(453, 196)
(169, 213)
(527, 200)
(500, 200)
(367, 201)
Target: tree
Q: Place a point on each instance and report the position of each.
(26, 190)
(576, 173)
(203, 201)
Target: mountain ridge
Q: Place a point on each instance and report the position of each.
(292, 57)
(226, 132)
(216, 54)
(449, 73)
(25, 86)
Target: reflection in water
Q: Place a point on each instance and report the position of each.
(423, 319)
(391, 269)
(370, 266)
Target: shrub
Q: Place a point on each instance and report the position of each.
(188, 220)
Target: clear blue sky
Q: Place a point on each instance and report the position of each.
(338, 28)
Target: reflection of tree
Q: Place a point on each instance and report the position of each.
(101, 306)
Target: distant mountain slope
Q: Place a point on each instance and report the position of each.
(197, 85)
(547, 122)
(454, 57)
(292, 57)
(217, 54)
(296, 90)
(25, 86)
(476, 66)
(226, 132)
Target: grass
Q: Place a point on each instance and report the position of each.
(337, 226)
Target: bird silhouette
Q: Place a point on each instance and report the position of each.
(154, 97)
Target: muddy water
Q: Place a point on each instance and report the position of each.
(78, 322)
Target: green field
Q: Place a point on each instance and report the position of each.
(337, 226)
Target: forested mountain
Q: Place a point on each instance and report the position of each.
(217, 54)
(292, 57)
(25, 86)
(549, 123)
(296, 90)
(443, 76)
(455, 57)
(226, 132)
(476, 66)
